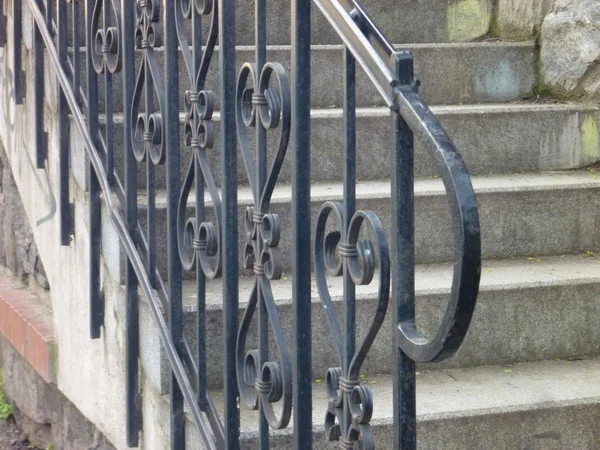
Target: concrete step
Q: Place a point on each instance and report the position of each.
(450, 73)
(521, 215)
(542, 405)
(527, 310)
(401, 21)
(492, 139)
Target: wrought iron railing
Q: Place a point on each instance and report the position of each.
(164, 117)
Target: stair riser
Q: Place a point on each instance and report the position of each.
(501, 141)
(401, 21)
(557, 222)
(449, 74)
(573, 426)
(522, 323)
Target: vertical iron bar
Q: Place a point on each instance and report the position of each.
(63, 131)
(17, 55)
(96, 301)
(200, 293)
(173, 161)
(403, 267)
(260, 41)
(197, 86)
(76, 51)
(349, 208)
(38, 80)
(229, 232)
(150, 187)
(151, 218)
(49, 16)
(301, 228)
(108, 106)
(134, 419)
(2, 25)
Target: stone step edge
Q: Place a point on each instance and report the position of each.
(424, 186)
(401, 46)
(480, 394)
(379, 111)
(430, 279)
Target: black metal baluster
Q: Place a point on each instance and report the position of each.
(108, 102)
(260, 42)
(76, 38)
(150, 186)
(2, 25)
(200, 294)
(17, 54)
(41, 153)
(403, 271)
(198, 239)
(50, 16)
(134, 419)
(66, 227)
(200, 216)
(171, 122)
(229, 232)
(96, 301)
(349, 289)
(301, 227)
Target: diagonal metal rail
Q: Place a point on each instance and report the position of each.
(127, 241)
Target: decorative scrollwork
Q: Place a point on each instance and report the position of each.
(198, 239)
(147, 138)
(260, 106)
(341, 253)
(106, 50)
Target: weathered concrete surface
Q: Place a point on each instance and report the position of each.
(520, 19)
(536, 406)
(491, 138)
(42, 411)
(402, 21)
(557, 204)
(570, 48)
(526, 311)
(450, 73)
(18, 251)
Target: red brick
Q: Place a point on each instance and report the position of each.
(20, 321)
(31, 337)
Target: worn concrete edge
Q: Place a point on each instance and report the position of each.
(510, 276)
(424, 187)
(378, 111)
(449, 389)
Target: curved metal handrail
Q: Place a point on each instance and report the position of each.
(350, 403)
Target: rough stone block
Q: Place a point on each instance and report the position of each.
(520, 19)
(570, 48)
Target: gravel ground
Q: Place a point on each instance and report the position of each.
(12, 438)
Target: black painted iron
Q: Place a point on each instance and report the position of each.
(2, 25)
(17, 55)
(166, 117)
(41, 144)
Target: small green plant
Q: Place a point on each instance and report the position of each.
(5, 407)
(50, 447)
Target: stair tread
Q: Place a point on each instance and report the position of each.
(399, 46)
(433, 279)
(479, 108)
(443, 394)
(424, 186)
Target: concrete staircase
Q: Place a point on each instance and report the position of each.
(525, 376)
